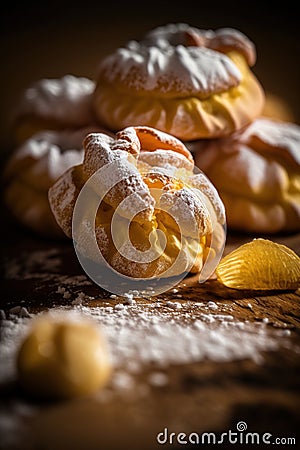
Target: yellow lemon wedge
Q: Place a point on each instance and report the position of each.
(260, 264)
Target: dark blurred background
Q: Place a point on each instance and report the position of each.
(51, 39)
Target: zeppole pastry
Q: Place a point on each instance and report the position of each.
(33, 168)
(185, 81)
(54, 104)
(257, 174)
(63, 356)
(152, 215)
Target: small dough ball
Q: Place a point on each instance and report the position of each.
(63, 358)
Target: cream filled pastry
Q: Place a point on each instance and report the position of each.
(54, 104)
(33, 168)
(188, 82)
(257, 174)
(143, 185)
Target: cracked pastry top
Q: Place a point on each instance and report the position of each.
(154, 216)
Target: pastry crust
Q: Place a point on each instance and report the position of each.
(257, 173)
(222, 40)
(141, 198)
(54, 104)
(33, 168)
(189, 83)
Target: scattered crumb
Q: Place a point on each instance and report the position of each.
(212, 305)
(119, 307)
(158, 379)
(142, 335)
(174, 305)
(128, 298)
(19, 311)
(122, 381)
(284, 332)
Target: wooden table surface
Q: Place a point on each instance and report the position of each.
(201, 396)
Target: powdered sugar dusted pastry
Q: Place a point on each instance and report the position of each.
(257, 173)
(137, 200)
(33, 168)
(55, 104)
(188, 82)
(223, 40)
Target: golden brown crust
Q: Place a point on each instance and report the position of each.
(33, 167)
(187, 82)
(124, 178)
(256, 172)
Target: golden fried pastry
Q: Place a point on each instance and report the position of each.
(188, 82)
(257, 174)
(54, 104)
(148, 221)
(33, 168)
(63, 357)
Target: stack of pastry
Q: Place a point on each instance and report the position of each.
(188, 82)
(198, 86)
(51, 121)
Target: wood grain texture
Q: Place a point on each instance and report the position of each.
(208, 396)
